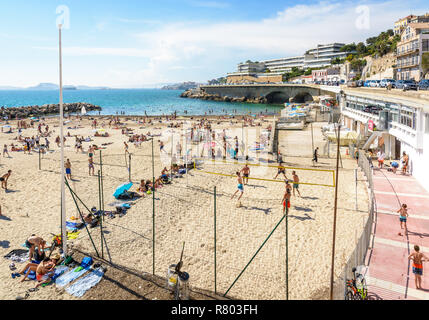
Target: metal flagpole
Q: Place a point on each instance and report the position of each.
(63, 194)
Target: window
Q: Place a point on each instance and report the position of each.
(425, 45)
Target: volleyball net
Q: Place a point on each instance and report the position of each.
(266, 172)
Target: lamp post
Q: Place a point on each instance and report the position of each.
(63, 202)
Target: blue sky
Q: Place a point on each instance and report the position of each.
(135, 43)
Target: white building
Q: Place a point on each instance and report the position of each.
(319, 57)
(403, 125)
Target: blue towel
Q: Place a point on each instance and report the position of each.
(82, 285)
(68, 277)
(58, 271)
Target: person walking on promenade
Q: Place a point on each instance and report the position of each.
(403, 214)
(380, 157)
(418, 259)
(316, 155)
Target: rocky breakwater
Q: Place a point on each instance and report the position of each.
(202, 95)
(47, 109)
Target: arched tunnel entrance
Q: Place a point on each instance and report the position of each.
(277, 97)
(303, 97)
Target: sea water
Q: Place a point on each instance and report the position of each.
(134, 102)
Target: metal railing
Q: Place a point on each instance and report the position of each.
(358, 256)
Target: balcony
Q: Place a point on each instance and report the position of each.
(406, 65)
(407, 52)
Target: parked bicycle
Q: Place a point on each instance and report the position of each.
(356, 287)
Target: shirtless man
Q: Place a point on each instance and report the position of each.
(126, 147)
(68, 169)
(91, 166)
(240, 187)
(4, 179)
(44, 272)
(33, 242)
(403, 214)
(295, 183)
(418, 259)
(287, 196)
(246, 173)
(281, 170)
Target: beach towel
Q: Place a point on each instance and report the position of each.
(18, 255)
(58, 271)
(85, 283)
(69, 276)
(72, 235)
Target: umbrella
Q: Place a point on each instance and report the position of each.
(7, 126)
(120, 190)
(98, 130)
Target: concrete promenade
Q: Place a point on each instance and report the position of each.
(390, 272)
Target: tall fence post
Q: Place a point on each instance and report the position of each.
(101, 219)
(129, 167)
(153, 211)
(286, 213)
(40, 164)
(215, 244)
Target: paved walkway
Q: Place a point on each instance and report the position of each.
(390, 273)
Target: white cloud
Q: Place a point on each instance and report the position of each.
(172, 50)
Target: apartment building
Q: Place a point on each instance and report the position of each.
(402, 23)
(414, 43)
(319, 57)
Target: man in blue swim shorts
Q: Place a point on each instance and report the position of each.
(240, 186)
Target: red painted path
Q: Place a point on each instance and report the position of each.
(390, 273)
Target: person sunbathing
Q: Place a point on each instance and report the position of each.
(44, 272)
(142, 187)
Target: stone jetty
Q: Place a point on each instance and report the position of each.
(202, 95)
(47, 109)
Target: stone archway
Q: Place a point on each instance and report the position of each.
(303, 97)
(277, 97)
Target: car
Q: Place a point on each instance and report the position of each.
(423, 84)
(352, 84)
(374, 83)
(366, 83)
(385, 82)
(373, 109)
(359, 83)
(406, 85)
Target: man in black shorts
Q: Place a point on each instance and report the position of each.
(246, 173)
(281, 170)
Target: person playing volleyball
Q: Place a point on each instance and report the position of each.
(240, 187)
(287, 196)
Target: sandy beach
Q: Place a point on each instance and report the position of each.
(184, 212)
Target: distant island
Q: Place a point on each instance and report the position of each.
(53, 86)
(182, 86)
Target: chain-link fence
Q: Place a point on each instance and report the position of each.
(358, 256)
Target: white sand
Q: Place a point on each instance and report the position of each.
(185, 213)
